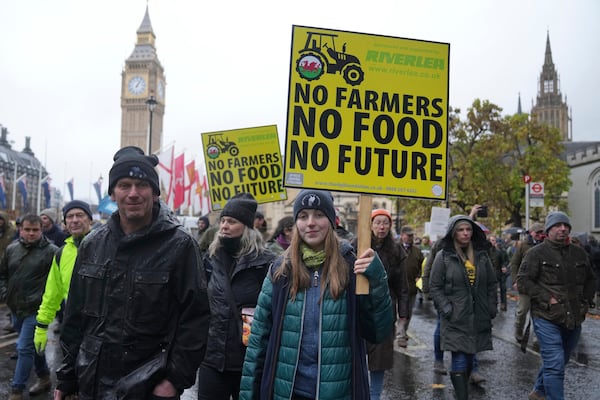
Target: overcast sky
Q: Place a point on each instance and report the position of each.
(227, 64)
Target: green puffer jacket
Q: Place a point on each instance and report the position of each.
(339, 374)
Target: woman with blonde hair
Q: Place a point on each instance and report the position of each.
(235, 265)
(463, 287)
(309, 327)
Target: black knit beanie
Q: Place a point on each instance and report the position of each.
(130, 162)
(241, 207)
(82, 205)
(315, 199)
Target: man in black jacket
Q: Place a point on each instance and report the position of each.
(23, 274)
(136, 320)
(559, 280)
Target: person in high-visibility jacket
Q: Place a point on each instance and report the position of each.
(78, 220)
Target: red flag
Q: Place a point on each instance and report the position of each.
(178, 177)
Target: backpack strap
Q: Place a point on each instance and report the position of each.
(57, 255)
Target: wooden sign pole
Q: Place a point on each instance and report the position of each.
(365, 205)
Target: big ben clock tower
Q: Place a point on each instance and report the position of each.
(143, 83)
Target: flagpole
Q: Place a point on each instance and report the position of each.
(39, 198)
(14, 194)
(90, 186)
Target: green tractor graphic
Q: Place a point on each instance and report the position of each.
(217, 145)
(319, 55)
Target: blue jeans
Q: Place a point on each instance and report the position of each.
(438, 354)
(27, 357)
(376, 384)
(462, 362)
(556, 345)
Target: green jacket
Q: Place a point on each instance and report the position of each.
(466, 310)
(562, 271)
(23, 274)
(336, 355)
(58, 282)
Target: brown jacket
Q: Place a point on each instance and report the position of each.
(413, 262)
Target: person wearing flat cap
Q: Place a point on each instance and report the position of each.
(535, 237)
(558, 278)
(235, 264)
(50, 228)
(136, 320)
(77, 217)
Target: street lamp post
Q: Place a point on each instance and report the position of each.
(151, 103)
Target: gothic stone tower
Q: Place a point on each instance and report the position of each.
(142, 80)
(550, 107)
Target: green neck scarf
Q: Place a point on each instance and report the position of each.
(312, 259)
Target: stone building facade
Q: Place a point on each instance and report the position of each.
(20, 164)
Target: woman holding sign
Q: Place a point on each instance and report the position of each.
(309, 325)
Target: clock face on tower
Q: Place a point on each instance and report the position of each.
(136, 85)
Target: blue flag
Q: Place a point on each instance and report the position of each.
(107, 206)
(2, 192)
(47, 195)
(23, 189)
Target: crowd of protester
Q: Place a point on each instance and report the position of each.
(246, 313)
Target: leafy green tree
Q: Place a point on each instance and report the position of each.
(488, 156)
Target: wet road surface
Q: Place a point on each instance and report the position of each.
(509, 372)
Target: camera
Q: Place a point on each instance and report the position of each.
(483, 211)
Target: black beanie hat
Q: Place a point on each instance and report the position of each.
(77, 204)
(130, 162)
(315, 199)
(241, 207)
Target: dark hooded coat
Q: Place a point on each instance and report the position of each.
(466, 310)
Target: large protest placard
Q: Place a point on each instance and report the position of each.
(243, 160)
(367, 114)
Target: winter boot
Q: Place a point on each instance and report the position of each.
(42, 385)
(476, 378)
(460, 381)
(439, 368)
(518, 334)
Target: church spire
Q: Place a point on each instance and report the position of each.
(550, 108)
(548, 63)
(519, 109)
